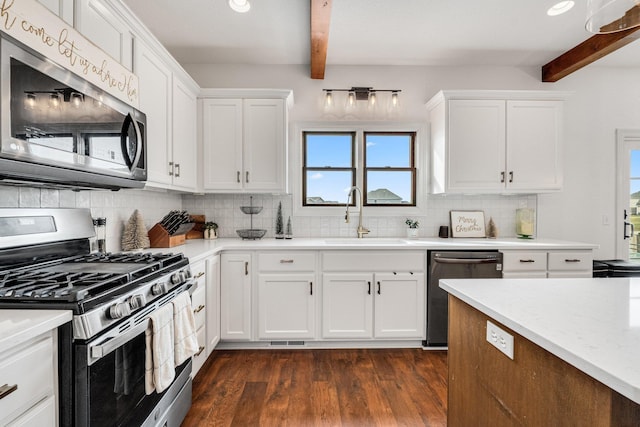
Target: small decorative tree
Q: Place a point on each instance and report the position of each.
(279, 223)
(135, 233)
(289, 233)
(492, 230)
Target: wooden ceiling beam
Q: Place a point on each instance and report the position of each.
(590, 50)
(320, 20)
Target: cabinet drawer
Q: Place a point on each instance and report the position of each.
(198, 302)
(373, 261)
(287, 261)
(200, 357)
(41, 415)
(524, 261)
(574, 261)
(31, 370)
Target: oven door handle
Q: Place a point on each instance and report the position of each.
(98, 351)
(466, 260)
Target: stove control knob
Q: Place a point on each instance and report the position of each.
(137, 301)
(177, 278)
(159, 289)
(119, 310)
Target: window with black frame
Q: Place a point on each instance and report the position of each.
(389, 169)
(329, 167)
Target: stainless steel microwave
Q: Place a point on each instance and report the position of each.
(58, 130)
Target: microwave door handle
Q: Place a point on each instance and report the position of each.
(138, 145)
(131, 163)
(98, 351)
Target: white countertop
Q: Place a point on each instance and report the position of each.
(18, 325)
(198, 248)
(592, 324)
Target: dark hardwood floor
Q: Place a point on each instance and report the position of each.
(372, 387)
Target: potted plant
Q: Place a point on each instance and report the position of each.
(412, 231)
(209, 229)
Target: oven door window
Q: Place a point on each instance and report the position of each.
(114, 390)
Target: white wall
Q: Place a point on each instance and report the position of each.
(603, 100)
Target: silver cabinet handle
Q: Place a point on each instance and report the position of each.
(572, 260)
(7, 389)
(177, 170)
(527, 260)
(238, 176)
(170, 168)
(286, 261)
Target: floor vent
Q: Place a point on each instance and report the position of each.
(286, 343)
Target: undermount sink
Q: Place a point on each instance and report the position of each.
(365, 241)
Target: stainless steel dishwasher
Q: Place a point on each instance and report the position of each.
(453, 265)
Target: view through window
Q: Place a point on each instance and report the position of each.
(387, 170)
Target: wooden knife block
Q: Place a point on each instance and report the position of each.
(159, 238)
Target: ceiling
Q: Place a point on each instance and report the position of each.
(373, 32)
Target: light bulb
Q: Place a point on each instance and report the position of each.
(351, 99)
(560, 8)
(394, 99)
(328, 100)
(373, 98)
(76, 99)
(240, 6)
(54, 100)
(30, 101)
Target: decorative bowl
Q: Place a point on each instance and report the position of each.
(251, 210)
(251, 233)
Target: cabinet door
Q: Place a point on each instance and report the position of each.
(400, 305)
(264, 145)
(184, 141)
(62, 8)
(534, 136)
(476, 145)
(42, 415)
(235, 296)
(100, 25)
(286, 306)
(222, 140)
(347, 305)
(155, 101)
(213, 303)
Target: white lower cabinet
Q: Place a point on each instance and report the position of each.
(386, 300)
(380, 305)
(287, 295)
(541, 264)
(30, 368)
(213, 303)
(235, 297)
(200, 309)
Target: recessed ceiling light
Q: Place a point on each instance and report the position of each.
(560, 8)
(241, 6)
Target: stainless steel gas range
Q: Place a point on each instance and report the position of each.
(46, 263)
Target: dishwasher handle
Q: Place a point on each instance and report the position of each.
(467, 260)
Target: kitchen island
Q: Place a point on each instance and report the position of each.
(575, 352)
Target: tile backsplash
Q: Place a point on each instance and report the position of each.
(224, 209)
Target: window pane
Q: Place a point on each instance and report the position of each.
(333, 150)
(388, 150)
(389, 188)
(328, 187)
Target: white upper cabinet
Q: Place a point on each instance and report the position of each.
(62, 8)
(103, 27)
(244, 141)
(171, 109)
(496, 142)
